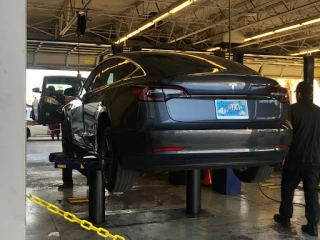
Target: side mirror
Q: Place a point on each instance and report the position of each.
(71, 92)
(36, 90)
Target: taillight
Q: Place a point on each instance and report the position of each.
(281, 94)
(162, 93)
(168, 149)
(282, 146)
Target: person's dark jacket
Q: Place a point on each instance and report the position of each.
(305, 145)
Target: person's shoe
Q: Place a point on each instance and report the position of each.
(311, 230)
(65, 185)
(282, 220)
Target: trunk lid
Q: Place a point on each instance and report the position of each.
(223, 98)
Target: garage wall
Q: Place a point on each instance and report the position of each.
(60, 61)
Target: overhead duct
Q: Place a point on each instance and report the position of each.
(237, 38)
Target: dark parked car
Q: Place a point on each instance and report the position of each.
(146, 112)
(49, 100)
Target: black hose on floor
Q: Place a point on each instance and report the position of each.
(298, 204)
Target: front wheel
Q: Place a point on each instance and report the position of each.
(117, 178)
(254, 174)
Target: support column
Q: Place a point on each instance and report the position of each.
(13, 119)
(308, 70)
(193, 191)
(238, 57)
(224, 180)
(96, 197)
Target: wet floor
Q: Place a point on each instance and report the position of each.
(154, 209)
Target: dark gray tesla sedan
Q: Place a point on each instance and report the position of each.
(145, 112)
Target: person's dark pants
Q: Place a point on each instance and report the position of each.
(292, 174)
(67, 175)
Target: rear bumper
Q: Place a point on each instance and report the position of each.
(188, 161)
(202, 148)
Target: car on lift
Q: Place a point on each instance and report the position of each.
(33, 128)
(49, 97)
(144, 112)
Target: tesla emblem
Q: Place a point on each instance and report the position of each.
(232, 85)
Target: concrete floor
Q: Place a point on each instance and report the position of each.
(154, 209)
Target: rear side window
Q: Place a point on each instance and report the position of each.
(108, 72)
(123, 70)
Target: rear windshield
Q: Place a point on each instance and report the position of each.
(185, 63)
(60, 83)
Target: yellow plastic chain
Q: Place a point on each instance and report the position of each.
(72, 218)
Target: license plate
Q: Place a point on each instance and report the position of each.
(232, 109)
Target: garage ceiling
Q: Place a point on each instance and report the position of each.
(204, 24)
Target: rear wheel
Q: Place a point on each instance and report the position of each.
(117, 178)
(254, 174)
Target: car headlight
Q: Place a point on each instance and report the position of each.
(51, 100)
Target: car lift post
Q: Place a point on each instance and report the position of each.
(95, 177)
(96, 197)
(193, 192)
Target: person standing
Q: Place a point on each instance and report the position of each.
(302, 161)
(55, 130)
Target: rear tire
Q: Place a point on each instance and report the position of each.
(117, 178)
(254, 174)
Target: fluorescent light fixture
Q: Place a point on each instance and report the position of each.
(121, 40)
(311, 21)
(315, 50)
(305, 52)
(263, 35)
(179, 7)
(133, 33)
(283, 29)
(288, 28)
(213, 49)
(162, 16)
(145, 26)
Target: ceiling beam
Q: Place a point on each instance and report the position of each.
(236, 16)
(271, 37)
(303, 7)
(38, 29)
(290, 40)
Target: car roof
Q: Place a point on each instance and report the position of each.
(179, 63)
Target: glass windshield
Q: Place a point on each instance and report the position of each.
(60, 83)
